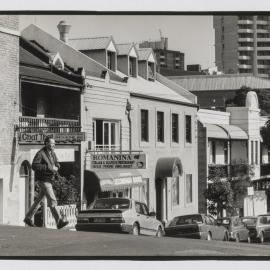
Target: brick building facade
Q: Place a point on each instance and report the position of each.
(9, 107)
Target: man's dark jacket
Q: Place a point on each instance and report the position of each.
(43, 165)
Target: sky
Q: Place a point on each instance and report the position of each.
(191, 34)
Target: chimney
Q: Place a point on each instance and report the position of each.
(63, 28)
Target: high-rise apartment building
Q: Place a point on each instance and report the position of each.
(242, 44)
(169, 62)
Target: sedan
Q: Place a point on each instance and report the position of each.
(259, 227)
(198, 226)
(119, 215)
(236, 228)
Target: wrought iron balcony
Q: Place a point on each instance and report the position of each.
(50, 125)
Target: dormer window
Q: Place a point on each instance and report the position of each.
(132, 67)
(57, 61)
(151, 71)
(110, 56)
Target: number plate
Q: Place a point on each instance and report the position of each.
(99, 220)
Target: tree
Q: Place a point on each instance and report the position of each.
(218, 193)
(226, 190)
(239, 99)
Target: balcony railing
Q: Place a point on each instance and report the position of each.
(50, 125)
(225, 170)
(107, 148)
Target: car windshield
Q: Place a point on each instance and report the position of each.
(249, 220)
(192, 219)
(113, 203)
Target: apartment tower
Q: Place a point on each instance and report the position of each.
(242, 44)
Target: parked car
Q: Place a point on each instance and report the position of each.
(119, 215)
(198, 226)
(259, 227)
(236, 228)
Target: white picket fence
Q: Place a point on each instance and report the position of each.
(68, 213)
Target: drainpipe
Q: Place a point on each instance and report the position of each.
(128, 110)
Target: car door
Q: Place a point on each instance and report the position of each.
(140, 217)
(217, 231)
(150, 221)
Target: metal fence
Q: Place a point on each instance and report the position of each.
(53, 125)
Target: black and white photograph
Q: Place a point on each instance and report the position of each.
(132, 134)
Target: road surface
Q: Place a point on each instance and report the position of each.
(26, 241)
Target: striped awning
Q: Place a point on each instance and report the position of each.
(226, 132)
(215, 131)
(110, 180)
(235, 132)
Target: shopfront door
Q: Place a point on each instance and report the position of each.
(161, 199)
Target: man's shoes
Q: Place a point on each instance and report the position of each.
(29, 222)
(61, 224)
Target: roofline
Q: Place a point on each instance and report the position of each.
(35, 80)
(217, 76)
(164, 100)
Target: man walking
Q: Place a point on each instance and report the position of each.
(45, 165)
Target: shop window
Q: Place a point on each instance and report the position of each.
(252, 152)
(160, 126)
(144, 126)
(189, 188)
(145, 191)
(175, 127)
(188, 129)
(256, 152)
(212, 152)
(107, 135)
(175, 191)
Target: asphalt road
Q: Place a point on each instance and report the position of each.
(25, 241)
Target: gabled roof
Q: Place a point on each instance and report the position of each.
(144, 53)
(124, 49)
(35, 66)
(70, 56)
(220, 82)
(91, 43)
(156, 90)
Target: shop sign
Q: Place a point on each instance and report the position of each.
(38, 138)
(63, 155)
(118, 161)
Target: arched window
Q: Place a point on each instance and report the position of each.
(25, 175)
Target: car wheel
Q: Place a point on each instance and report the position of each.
(159, 232)
(135, 229)
(261, 237)
(225, 237)
(209, 236)
(237, 238)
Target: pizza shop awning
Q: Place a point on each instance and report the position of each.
(110, 180)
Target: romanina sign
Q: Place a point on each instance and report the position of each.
(118, 161)
(37, 138)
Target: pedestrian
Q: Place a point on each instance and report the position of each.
(46, 166)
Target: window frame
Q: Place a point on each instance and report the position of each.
(188, 192)
(188, 140)
(147, 126)
(160, 140)
(175, 128)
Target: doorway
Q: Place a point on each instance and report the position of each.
(161, 199)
